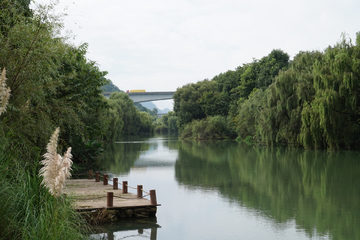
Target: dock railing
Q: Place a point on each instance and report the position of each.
(110, 195)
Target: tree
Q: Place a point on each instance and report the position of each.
(247, 120)
(110, 87)
(155, 111)
(332, 119)
(30, 53)
(146, 121)
(286, 97)
(186, 104)
(53, 84)
(129, 114)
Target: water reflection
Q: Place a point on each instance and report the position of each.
(318, 190)
(127, 229)
(206, 187)
(138, 153)
(119, 157)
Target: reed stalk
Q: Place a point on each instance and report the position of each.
(56, 168)
(4, 92)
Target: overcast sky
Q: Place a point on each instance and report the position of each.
(160, 45)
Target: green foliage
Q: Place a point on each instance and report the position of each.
(313, 101)
(129, 115)
(186, 101)
(29, 53)
(114, 120)
(167, 123)
(87, 152)
(146, 121)
(213, 127)
(332, 118)
(248, 140)
(173, 123)
(248, 117)
(261, 73)
(281, 112)
(80, 96)
(27, 208)
(110, 87)
(15, 9)
(141, 108)
(123, 117)
(224, 92)
(52, 83)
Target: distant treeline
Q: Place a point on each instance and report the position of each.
(312, 101)
(110, 87)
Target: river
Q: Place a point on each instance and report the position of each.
(229, 190)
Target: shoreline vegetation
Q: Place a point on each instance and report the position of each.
(311, 101)
(50, 83)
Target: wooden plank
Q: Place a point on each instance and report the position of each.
(89, 195)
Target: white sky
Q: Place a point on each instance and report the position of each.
(160, 45)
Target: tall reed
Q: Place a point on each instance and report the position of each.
(4, 92)
(27, 209)
(56, 168)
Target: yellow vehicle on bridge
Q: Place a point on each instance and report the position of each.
(135, 91)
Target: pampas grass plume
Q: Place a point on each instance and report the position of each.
(67, 163)
(56, 168)
(4, 92)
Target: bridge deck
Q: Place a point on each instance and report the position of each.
(146, 96)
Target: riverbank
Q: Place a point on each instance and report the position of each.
(29, 211)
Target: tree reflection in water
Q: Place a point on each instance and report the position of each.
(317, 189)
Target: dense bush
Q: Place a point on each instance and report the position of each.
(167, 123)
(213, 127)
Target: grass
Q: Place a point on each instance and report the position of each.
(29, 211)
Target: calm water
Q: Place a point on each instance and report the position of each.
(229, 190)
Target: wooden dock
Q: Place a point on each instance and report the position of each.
(92, 196)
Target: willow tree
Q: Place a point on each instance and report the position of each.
(130, 116)
(248, 117)
(292, 89)
(332, 120)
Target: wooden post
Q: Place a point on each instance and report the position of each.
(110, 198)
(97, 177)
(115, 183)
(90, 174)
(110, 236)
(153, 197)
(106, 179)
(139, 191)
(125, 188)
(153, 234)
(140, 231)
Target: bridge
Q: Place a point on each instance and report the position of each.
(138, 97)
